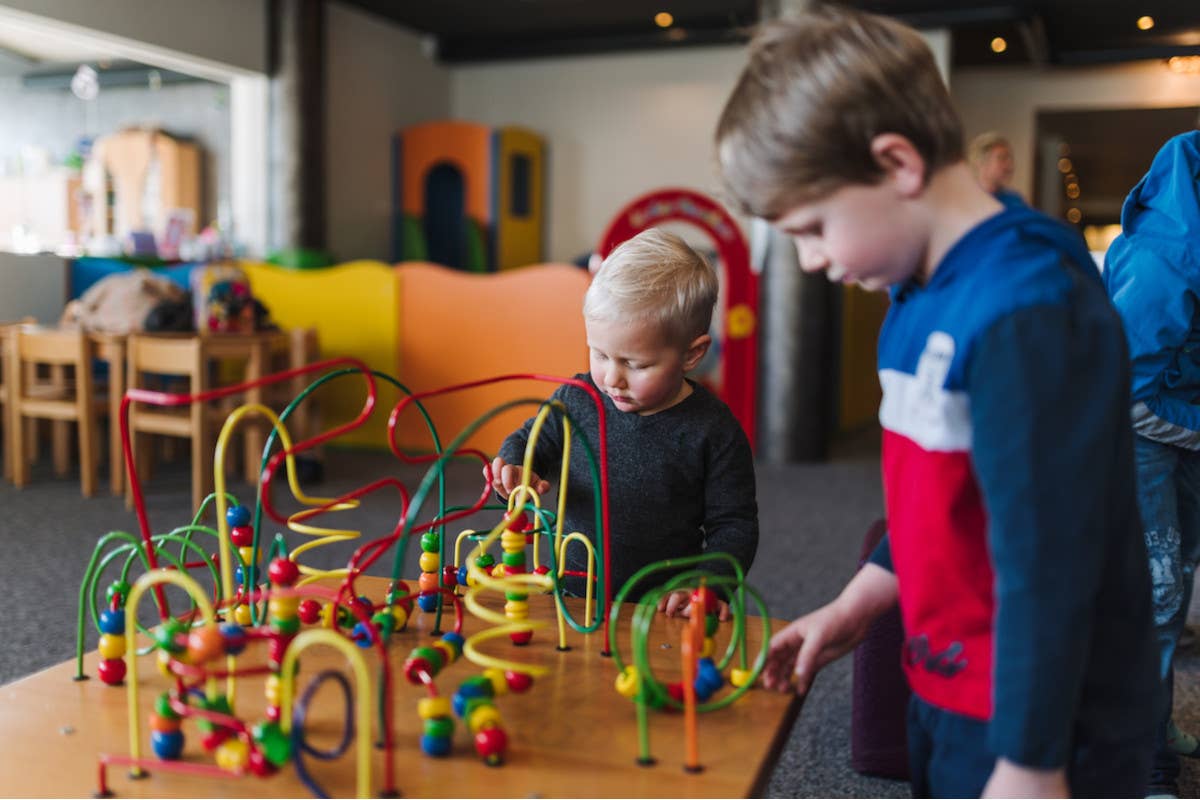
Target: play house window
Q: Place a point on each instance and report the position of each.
(518, 202)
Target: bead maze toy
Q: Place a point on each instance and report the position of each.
(701, 674)
(251, 615)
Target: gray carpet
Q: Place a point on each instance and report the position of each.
(813, 518)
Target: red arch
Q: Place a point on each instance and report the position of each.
(739, 359)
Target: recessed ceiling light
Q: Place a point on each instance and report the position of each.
(999, 45)
(1145, 23)
(663, 19)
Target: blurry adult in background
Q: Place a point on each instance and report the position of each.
(991, 158)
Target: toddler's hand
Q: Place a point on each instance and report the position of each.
(507, 477)
(679, 604)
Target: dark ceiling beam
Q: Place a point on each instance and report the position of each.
(960, 15)
(461, 49)
(1114, 55)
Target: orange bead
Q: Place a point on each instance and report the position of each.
(428, 582)
(205, 643)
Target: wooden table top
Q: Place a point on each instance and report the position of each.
(570, 735)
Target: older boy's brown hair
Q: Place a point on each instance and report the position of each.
(817, 89)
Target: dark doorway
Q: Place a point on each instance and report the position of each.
(445, 220)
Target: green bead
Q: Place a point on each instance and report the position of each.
(710, 624)
(285, 626)
(484, 561)
(386, 623)
(433, 655)
(275, 744)
(513, 559)
(117, 587)
(162, 706)
(219, 704)
(518, 596)
(440, 727)
(431, 542)
(486, 687)
(166, 635)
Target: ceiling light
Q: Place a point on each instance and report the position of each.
(999, 45)
(1074, 215)
(1145, 23)
(1064, 165)
(663, 19)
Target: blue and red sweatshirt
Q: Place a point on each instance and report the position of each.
(1009, 485)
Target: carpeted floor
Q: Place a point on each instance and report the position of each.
(813, 518)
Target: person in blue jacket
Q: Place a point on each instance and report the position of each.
(1152, 271)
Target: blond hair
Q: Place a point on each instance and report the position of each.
(817, 89)
(655, 277)
(983, 144)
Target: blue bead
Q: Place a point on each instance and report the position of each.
(459, 704)
(238, 576)
(435, 745)
(708, 679)
(112, 621)
(363, 636)
(237, 516)
(455, 640)
(167, 745)
(462, 576)
(428, 603)
(472, 689)
(234, 636)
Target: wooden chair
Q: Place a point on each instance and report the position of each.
(6, 329)
(63, 398)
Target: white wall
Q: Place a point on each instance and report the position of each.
(1007, 100)
(231, 33)
(378, 80)
(616, 126)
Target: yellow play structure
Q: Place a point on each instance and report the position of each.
(432, 326)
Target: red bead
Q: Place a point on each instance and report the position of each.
(112, 670)
(413, 668)
(676, 691)
(521, 637)
(213, 740)
(542, 570)
(283, 572)
(273, 713)
(509, 569)
(518, 682)
(309, 611)
(276, 646)
(242, 536)
(449, 576)
(259, 765)
(491, 743)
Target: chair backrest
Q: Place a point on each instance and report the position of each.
(46, 346)
(165, 355)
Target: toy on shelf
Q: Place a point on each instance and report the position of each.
(263, 592)
(702, 673)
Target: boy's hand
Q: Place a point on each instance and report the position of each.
(801, 649)
(506, 477)
(679, 604)
(1010, 779)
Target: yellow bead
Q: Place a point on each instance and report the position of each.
(627, 682)
(283, 607)
(326, 614)
(241, 615)
(706, 649)
(401, 617)
(111, 645)
(516, 609)
(512, 542)
(498, 571)
(233, 755)
(499, 683)
(429, 562)
(434, 707)
(249, 555)
(447, 649)
(164, 664)
(273, 691)
(740, 677)
(486, 716)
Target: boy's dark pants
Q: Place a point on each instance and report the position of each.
(949, 757)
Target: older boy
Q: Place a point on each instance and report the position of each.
(1014, 547)
(681, 475)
